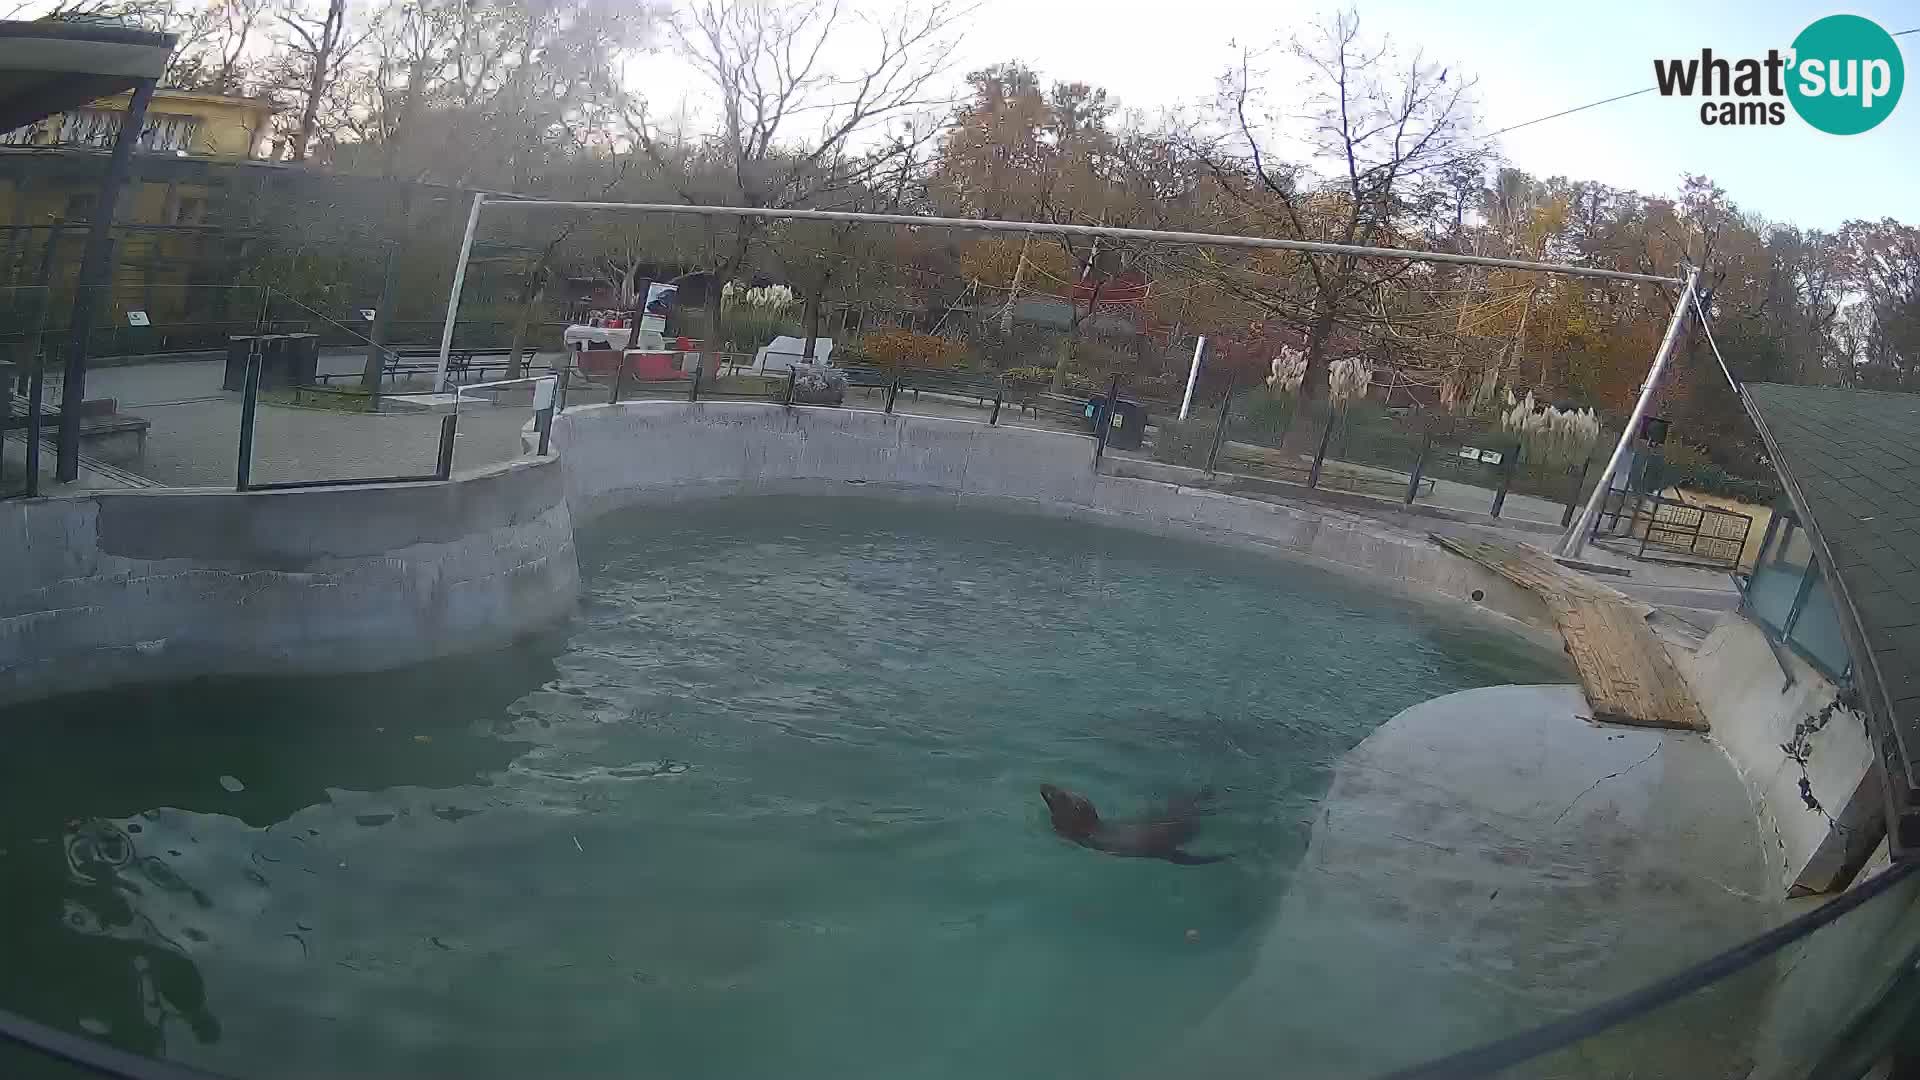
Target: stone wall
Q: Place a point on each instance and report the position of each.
(121, 587)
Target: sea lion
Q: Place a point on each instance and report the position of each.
(1158, 835)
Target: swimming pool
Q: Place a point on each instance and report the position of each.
(768, 805)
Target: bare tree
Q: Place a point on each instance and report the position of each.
(1385, 136)
(317, 47)
(793, 123)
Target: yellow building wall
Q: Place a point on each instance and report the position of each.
(229, 127)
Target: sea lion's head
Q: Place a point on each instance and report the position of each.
(1073, 813)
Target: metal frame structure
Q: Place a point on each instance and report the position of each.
(1571, 543)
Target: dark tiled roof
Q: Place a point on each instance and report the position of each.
(1851, 463)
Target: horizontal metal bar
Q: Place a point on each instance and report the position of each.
(295, 485)
(1058, 229)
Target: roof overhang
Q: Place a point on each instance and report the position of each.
(51, 67)
(1849, 460)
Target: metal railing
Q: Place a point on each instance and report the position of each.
(1705, 535)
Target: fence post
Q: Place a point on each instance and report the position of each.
(543, 418)
(1326, 436)
(893, 390)
(693, 388)
(1573, 497)
(1507, 465)
(792, 374)
(1220, 432)
(36, 389)
(619, 378)
(1419, 464)
(1103, 416)
(249, 398)
(999, 392)
(443, 468)
(560, 387)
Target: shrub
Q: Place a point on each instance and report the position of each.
(1034, 377)
(904, 348)
(1183, 442)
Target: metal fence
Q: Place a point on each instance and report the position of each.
(1672, 529)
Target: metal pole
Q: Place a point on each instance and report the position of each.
(1326, 436)
(376, 366)
(1507, 465)
(1419, 463)
(1103, 416)
(693, 388)
(999, 393)
(1060, 229)
(443, 466)
(249, 398)
(1575, 539)
(1573, 497)
(95, 268)
(1193, 373)
(1220, 432)
(36, 389)
(453, 297)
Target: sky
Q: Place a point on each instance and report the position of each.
(1533, 57)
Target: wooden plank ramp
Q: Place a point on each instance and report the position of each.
(1628, 676)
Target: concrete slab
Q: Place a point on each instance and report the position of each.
(1488, 861)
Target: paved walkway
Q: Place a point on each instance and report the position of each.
(195, 437)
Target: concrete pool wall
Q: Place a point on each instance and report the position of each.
(121, 587)
(112, 588)
(656, 452)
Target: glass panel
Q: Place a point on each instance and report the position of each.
(1830, 1005)
(1817, 631)
(1776, 578)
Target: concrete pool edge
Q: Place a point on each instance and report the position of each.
(113, 588)
(116, 588)
(660, 452)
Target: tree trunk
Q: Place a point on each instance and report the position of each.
(1309, 412)
(1072, 345)
(532, 291)
(310, 115)
(810, 319)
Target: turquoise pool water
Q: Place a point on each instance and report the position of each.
(767, 807)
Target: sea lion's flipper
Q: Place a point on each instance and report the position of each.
(1187, 858)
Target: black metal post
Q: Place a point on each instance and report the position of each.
(543, 423)
(36, 389)
(693, 388)
(1220, 432)
(94, 267)
(1573, 497)
(376, 365)
(792, 374)
(1507, 465)
(249, 398)
(561, 382)
(619, 379)
(1419, 464)
(1326, 436)
(999, 392)
(443, 466)
(893, 391)
(1103, 416)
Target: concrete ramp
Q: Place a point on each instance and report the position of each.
(1626, 672)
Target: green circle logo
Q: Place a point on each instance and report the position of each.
(1846, 75)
